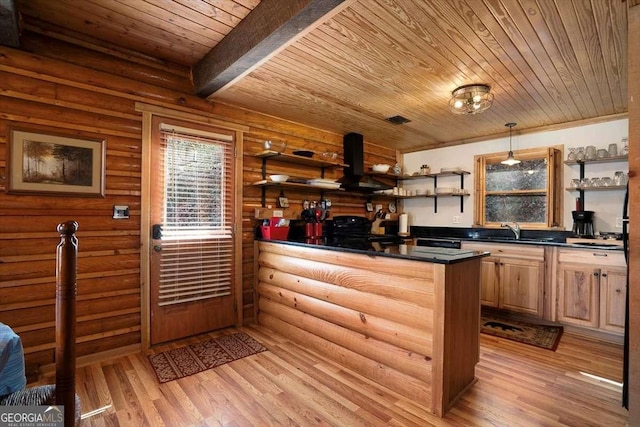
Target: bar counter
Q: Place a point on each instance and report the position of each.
(408, 321)
(375, 249)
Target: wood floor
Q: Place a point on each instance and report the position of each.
(517, 385)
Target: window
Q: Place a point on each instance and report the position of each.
(197, 222)
(529, 193)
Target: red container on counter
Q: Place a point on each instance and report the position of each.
(273, 232)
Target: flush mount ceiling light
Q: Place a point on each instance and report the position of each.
(471, 99)
(510, 160)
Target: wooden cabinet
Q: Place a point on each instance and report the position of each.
(489, 283)
(578, 295)
(522, 283)
(591, 288)
(613, 292)
(512, 278)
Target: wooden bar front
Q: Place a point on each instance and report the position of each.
(412, 326)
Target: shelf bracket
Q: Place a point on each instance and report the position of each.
(581, 191)
(263, 196)
(462, 197)
(435, 198)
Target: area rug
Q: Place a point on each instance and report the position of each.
(543, 336)
(188, 360)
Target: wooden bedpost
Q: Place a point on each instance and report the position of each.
(66, 266)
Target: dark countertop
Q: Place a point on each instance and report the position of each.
(416, 253)
(527, 237)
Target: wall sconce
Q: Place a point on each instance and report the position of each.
(471, 99)
(510, 160)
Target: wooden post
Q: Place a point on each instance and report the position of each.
(66, 267)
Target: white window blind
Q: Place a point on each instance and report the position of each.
(197, 230)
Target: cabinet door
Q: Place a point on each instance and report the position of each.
(489, 282)
(613, 283)
(578, 288)
(521, 285)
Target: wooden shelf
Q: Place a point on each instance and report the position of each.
(598, 160)
(583, 165)
(267, 183)
(432, 175)
(610, 187)
(435, 176)
(299, 160)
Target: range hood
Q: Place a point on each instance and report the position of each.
(354, 175)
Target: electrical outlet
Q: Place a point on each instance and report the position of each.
(456, 219)
(618, 222)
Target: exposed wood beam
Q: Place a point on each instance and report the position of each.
(269, 28)
(9, 30)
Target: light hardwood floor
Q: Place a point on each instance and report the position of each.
(517, 385)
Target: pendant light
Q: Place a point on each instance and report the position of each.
(510, 160)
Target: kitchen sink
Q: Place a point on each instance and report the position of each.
(502, 238)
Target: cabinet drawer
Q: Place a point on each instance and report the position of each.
(507, 250)
(592, 257)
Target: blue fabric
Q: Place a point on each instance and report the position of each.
(12, 376)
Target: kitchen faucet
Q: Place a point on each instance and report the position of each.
(515, 229)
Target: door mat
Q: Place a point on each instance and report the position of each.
(543, 336)
(188, 360)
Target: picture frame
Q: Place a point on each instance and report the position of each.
(369, 207)
(50, 163)
(283, 202)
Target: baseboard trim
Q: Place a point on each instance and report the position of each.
(49, 370)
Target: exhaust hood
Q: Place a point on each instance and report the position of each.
(354, 175)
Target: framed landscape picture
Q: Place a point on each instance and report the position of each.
(55, 164)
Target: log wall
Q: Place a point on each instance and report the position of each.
(79, 89)
(409, 325)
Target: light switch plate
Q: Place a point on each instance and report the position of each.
(120, 212)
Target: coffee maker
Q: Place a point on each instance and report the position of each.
(583, 224)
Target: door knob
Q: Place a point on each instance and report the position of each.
(157, 248)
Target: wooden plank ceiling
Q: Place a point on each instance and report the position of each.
(548, 62)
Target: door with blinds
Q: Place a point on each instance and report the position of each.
(192, 217)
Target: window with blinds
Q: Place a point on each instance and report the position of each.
(197, 224)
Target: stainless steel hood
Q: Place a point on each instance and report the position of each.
(354, 175)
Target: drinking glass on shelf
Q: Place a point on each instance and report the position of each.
(575, 183)
(580, 154)
(596, 182)
(572, 154)
(585, 182)
(590, 152)
(606, 181)
(613, 150)
(625, 147)
(619, 178)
